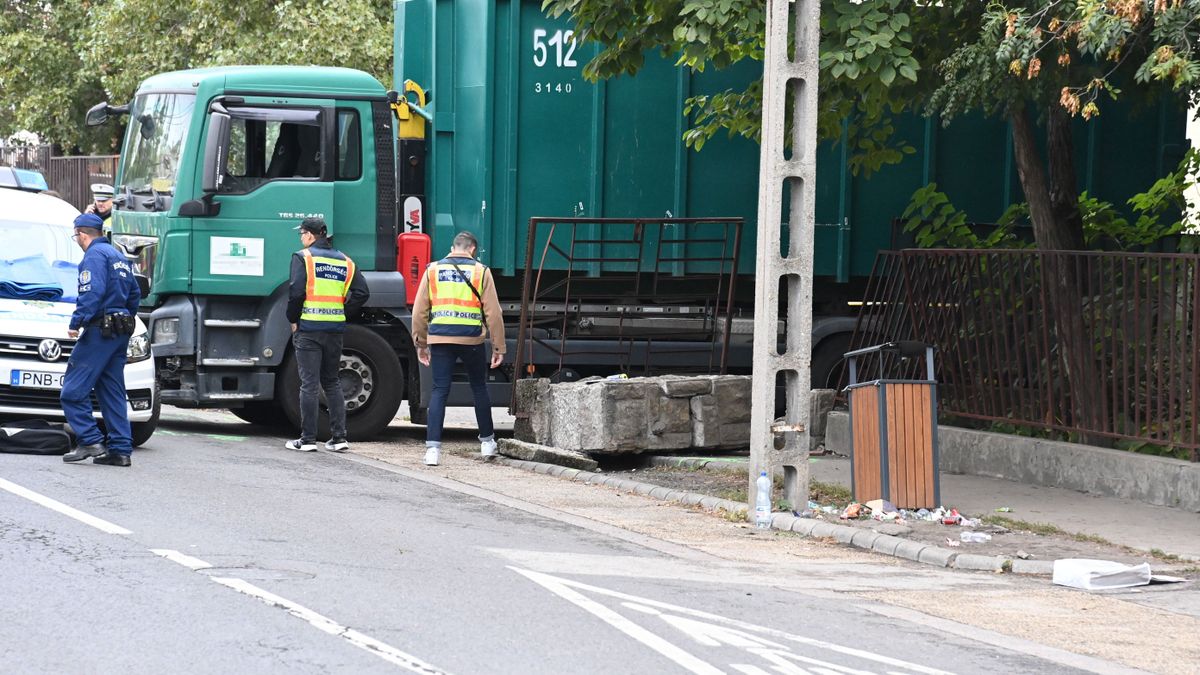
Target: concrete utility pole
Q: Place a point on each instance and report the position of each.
(787, 81)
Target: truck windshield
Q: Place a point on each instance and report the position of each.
(154, 141)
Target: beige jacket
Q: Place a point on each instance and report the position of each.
(493, 317)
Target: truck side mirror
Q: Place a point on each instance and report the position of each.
(143, 284)
(216, 148)
(98, 114)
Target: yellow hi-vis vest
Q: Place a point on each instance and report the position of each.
(455, 310)
(328, 284)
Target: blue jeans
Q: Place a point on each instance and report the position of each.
(98, 363)
(442, 358)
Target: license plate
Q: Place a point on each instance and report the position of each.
(35, 379)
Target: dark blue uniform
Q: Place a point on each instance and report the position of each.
(106, 286)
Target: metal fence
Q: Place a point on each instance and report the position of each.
(70, 177)
(655, 295)
(1102, 345)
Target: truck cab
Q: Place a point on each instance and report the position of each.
(217, 169)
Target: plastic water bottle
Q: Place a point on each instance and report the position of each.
(762, 503)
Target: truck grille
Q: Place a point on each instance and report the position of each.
(27, 348)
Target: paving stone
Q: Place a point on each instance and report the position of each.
(980, 563)
(935, 555)
(510, 447)
(887, 544)
(910, 550)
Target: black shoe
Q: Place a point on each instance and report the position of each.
(112, 459)
(84, 451)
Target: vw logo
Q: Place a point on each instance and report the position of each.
(49, 350)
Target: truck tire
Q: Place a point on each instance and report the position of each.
(828, 365)
(140, 432)
(372, 382)
(262, 413)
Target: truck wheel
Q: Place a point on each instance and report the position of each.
(828, 365)
(141, 432)
(372, 384)
(262, 413)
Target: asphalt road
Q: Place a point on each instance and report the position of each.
(219, 551)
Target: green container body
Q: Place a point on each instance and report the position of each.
(517, 132)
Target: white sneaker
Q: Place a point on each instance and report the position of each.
(432, 455)
(487, 449)
(337, 445)
(300, 446)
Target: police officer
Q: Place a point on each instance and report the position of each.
(454, 305)
(102, 204)
(103, 321)
(324, 290)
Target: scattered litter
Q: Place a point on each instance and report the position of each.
(1004, 509)
(1023, 555)
(974, 537)
(852, 511)
(952, 543)
(1096, 575)
(621, 376)
(881, 506)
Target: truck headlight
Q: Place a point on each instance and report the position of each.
(166, 331)
(139, 348)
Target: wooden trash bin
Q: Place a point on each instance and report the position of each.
(893, 430)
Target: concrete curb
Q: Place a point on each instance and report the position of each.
(865, 539)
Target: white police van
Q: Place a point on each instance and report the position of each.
(36, 247)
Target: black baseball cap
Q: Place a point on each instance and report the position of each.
(313, 226)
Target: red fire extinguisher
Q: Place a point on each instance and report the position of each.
(413, 250)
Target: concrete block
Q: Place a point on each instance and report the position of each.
(531, 405)
(844, 533)
(684, 387)
(643, 488)
(823, 529)
(660, 493)
(934, 555)
(569, 474)
(837, 432)
(804, 526)
(910, 550)
(1033, 567)
(979, 563)
(782, 521)
(732, 393)
(584, 476)
(706, 422)
(886, 544)
(692, 498)
(820, 405)
(709, 503)
(676, 495)
(735, 435)
(865, 539)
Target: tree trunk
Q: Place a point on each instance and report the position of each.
(1064, 188)
(1057, 226)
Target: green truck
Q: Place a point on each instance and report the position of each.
(219, 165)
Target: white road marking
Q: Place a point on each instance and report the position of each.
(181, 558)
(327, 625)
(722, 632)
(53, 505)
(559, 588)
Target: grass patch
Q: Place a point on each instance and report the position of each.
(1163, 555)
(827, 494)
(1045, 530)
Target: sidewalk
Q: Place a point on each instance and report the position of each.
(1120, 521)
